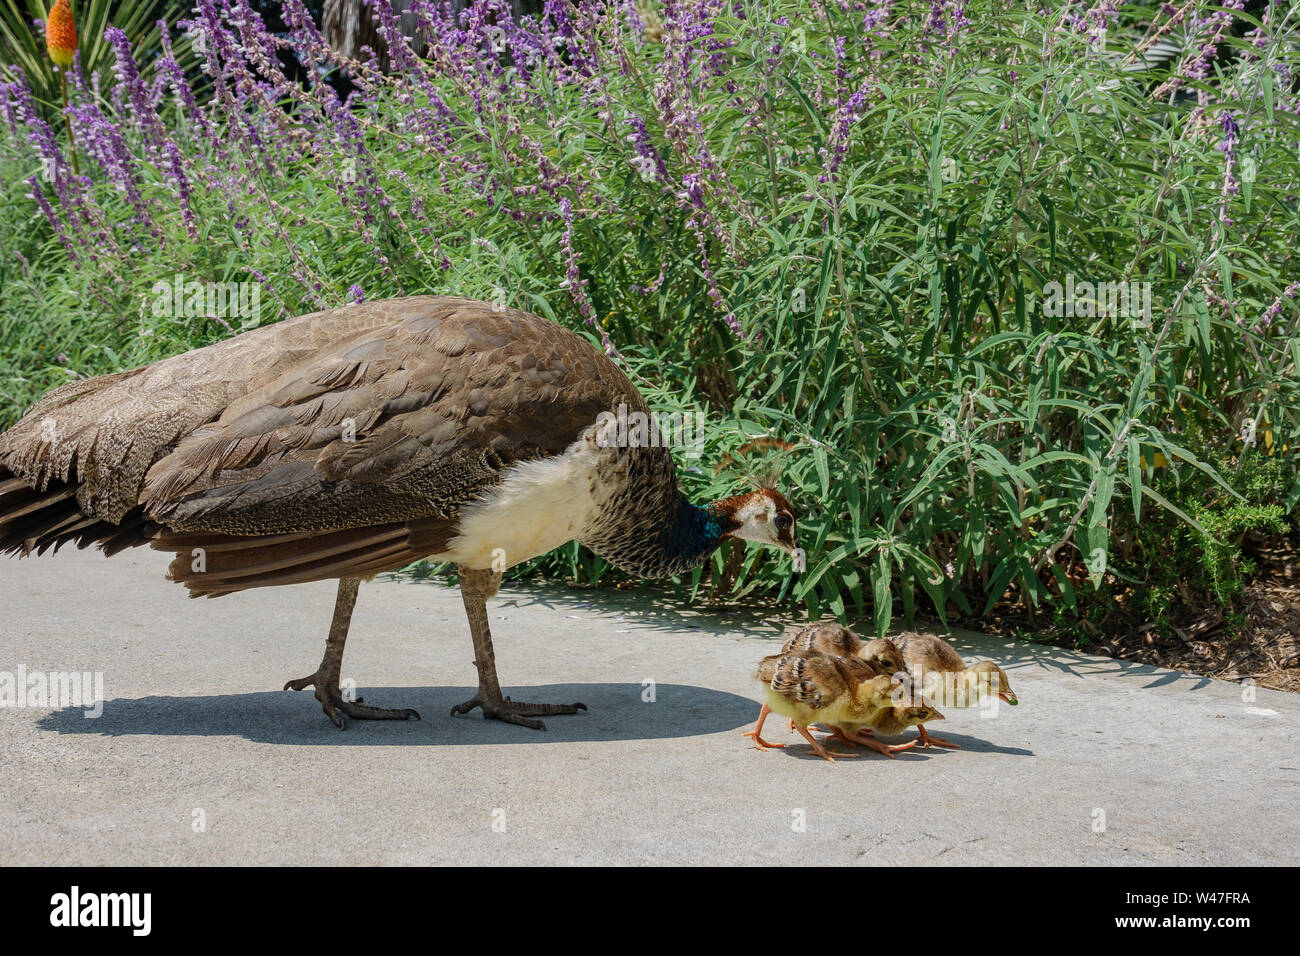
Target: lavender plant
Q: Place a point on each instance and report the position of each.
(990, 270)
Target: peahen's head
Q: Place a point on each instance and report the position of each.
(765, 516)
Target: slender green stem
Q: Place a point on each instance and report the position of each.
(67, 121)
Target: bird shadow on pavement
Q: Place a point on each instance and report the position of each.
(647, 606)
(656, 607)
(616, 712)
(1079, 665)
(1016, 656)
(971, 745)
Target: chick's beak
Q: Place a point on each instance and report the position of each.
(1009, 697)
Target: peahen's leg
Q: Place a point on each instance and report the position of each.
(326, 678)
(476, 586)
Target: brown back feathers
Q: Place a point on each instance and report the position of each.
(336, 443)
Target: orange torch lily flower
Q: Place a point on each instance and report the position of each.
(61, 34)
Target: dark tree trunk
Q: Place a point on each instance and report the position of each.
(348, 25)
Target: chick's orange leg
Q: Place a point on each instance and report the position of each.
(863, 738)
(818, 749)
(839, 734)
(819, 729)
(887, 749)
(759, 742)
(925, 740)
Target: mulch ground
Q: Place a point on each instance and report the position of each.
(1264, 646)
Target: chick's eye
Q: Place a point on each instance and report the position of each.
(782, 522)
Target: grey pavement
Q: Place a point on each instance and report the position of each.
(200, 758)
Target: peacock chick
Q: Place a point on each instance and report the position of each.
(940, 674)
(831, 637)
(812, 688)
(889, 722)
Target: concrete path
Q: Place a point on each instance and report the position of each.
(199, 757)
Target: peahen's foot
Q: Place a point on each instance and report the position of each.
(515, 711)
(332, 702)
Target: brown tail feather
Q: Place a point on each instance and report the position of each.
(38, 502)
(33, 520)
(36, 521)
(214, 564)
(12, 488)
(60, 533)
(133, 531)
(257, 561)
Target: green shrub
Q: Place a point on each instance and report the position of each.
(866, 232)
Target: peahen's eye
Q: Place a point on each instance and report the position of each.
(783, 522)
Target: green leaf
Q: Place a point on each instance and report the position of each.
(1169, 506)
(823, 470)
(881, 594)
(1135, 475)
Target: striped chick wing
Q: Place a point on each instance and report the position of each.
(824, 637)
(805, 685)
